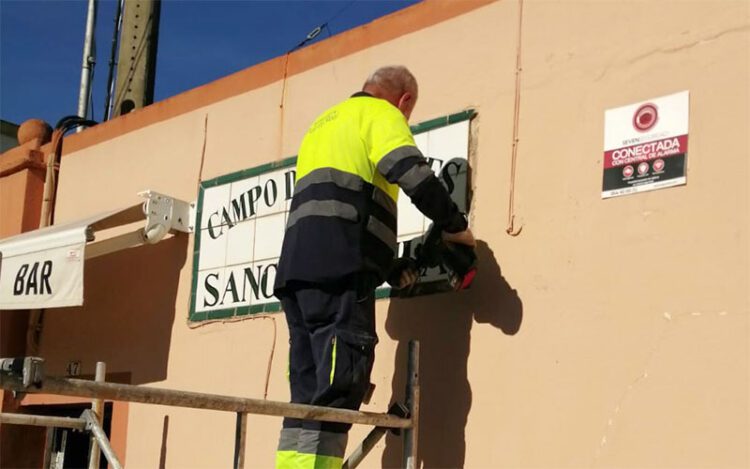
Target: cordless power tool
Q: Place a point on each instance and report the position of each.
(458, 260)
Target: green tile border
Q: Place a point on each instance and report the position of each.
(384, 292)
(248, 173)
(275, 307)
(192, 314)
(220, 313)
(443, 121)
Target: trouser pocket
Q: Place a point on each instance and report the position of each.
(352, 359)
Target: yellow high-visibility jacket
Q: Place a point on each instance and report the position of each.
(343, 218)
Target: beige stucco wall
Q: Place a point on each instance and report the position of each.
(629, 345)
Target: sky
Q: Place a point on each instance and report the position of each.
(41, 45)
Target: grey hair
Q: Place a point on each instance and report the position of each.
(395, 79)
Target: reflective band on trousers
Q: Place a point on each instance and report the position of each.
(333, 361)
(314, 449)
(322, 208)
(386, 164)
(288, 439)
(340, 178)
(286, 459)
(382, 232)
(322, 443)
(314, 461)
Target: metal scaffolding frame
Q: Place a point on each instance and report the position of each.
(25, 375)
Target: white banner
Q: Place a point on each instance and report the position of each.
(44, 270)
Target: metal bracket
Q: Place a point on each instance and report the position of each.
(30, 369)
(93, 426)
(399, 410)
(165, 214)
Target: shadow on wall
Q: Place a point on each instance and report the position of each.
(128, 312)
(442, 323)
(163, 452)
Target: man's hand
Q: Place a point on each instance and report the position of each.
(403, 273)
(462, 237)
(408, 278)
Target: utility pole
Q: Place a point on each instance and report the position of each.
(136, 67)
(113, 61)
(89, 58)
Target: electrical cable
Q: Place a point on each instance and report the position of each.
(113, 61)
(318, 29)
(91, 92)
(310, 36)
(67, 123)
(341, 11)
(203, 149)
(511, 228)
(47, 217)
(91, 59)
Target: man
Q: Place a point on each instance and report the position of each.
(339, 245)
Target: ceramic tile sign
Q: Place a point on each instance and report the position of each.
(645, 145)
(241, 219)
(240, 223)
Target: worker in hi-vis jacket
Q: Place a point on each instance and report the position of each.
(339, 245)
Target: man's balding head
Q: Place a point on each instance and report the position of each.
(396, 85)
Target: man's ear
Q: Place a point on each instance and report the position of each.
(406, 104)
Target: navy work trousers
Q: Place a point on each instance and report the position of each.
(332, 349)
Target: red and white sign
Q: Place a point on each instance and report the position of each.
(649, 135)
(645, 117)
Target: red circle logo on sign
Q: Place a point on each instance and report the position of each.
(658, 165)
(645, 117)
(627, 171)
(643, 168)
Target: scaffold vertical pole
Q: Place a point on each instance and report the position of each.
(411, 434)
(240, 437)
(97, 406)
